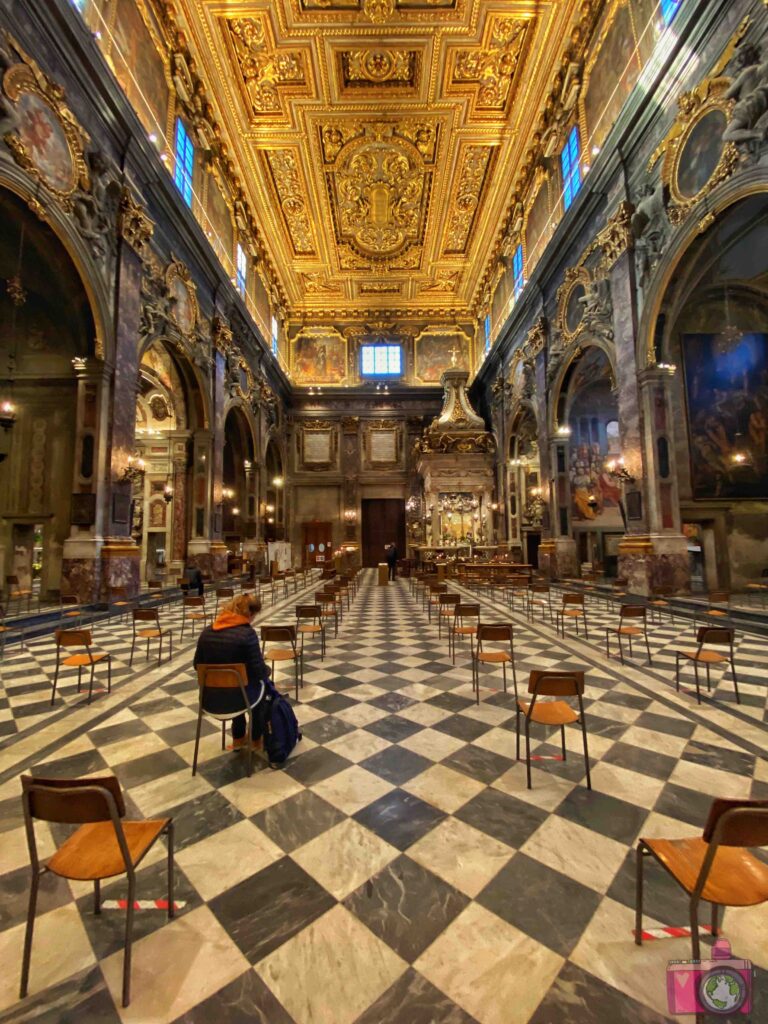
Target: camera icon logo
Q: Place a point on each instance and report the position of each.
(722, 985)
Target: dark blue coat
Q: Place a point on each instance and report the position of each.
(232, 646)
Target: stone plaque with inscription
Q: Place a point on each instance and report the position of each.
(383, 445)
(317, 446)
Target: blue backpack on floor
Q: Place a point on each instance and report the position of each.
(280, 727)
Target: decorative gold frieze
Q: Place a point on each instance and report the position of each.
(266, 68)
(491, 70)
(476, 161)
(291, 192)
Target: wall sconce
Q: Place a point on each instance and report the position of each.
(270, 520)
(350, 515)
(494, 506)
(516, 462)
(270, 508)
(235, 511)
(247, 465)
(616, 469)
(168, 494)
(227, 493)
(7, 415)
(277, 481)
(741, 458)
(564, 431)
(136, 468)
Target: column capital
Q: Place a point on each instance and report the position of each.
(660, 373)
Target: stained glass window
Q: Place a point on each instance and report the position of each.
(242, 270)
(185, 162)
(517, 271)
(381, 360)
(669, 9)
(569, 162)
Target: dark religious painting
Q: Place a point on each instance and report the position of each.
(726, 383)
(435, 353)
(701, 153)
(319, 359)
(139, 67)
(45, 142)
(538, 227)
(574, 312)
(612, 70)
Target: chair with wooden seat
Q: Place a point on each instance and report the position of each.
(716, 867)
(445, 608)
(704, 655)
(659, 603)
(574, 610)
(540, 597)
(17, 593)
(192, 612)
(87, 658)
(104, 846)
(290, 651)
(309, 623)
(718, 602)
(150, 632)
(558, 713)
(119, 599)
(70, 611)
(629, 614)
(466, 620)
(6, 631)
(222, 695)
(328, 610)
(333, 590)
(155, 588)
(498, 633)
(223, 594)
(266, 586)
(434, 590)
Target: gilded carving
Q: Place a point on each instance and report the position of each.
(182, 297)
(466, 200)
(286, 178)
(379, 67)
(134, 225)
(492, 69)
(265, 67)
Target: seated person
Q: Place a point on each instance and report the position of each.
(194, 579)
(232, 640)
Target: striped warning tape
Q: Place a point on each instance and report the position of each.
(142, 904)
(672, 933)
(546, 757)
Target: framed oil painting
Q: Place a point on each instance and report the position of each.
(700, 153)
(726, 388)
(435, 353)
(138, 66)
(537, 225)
(612, 72)
(184, 310)
(319, 357)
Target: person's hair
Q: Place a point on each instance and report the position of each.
(247, 605)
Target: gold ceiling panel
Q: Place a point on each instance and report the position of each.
(378, 141)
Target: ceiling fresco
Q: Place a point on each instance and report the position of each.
(378, 140)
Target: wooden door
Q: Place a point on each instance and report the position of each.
(383, 522)
(317, 548)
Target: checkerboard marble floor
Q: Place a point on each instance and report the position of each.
(398, 870)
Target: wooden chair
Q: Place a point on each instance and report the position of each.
(627, 613)
(556, 712)
(192, 611)
(494, 633)
(70, 611)
(659, 603)
(6, 630)
(66, 638)
(327, 604)
(222, 695)
(466, 620)
(294, 653)
(119, 598)
(150, 633)
(433, 596)
(17, 593)
(717, 867)
(575, 609)
(155, 588)
(104, 846)
(309, 622)
(446, 603)
(267, 584)
(715, 610)
(540, 596)
(222, 594)
(718, 635)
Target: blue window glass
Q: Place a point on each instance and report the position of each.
(517, 271)
(79, 4)
(569, 162)
(669, 9)
(381, 360)
(274, 336)
(487, 327)
(242, 270)
(185, 162)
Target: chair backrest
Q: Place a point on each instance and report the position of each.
(307, 611)
(323, 598)
(495, 632)
(539, 588)
(229, 682)
(145, 615)
(632, 611)
(467, 611)
(662, 591)
(72, 801)
(118, 592)
(279, 634)
(73, 637)
(225, 592)
(714, 635)
(737, 823)
(194, 602)
(438, 588)
(70, 599)
(155, 584)
(265, 581)
(448, 599)
(556, 684)
(718, 597)
(12, 581)
(573, 599)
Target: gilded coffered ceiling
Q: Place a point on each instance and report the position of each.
(378, 140)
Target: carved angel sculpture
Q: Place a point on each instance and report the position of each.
(750, 90)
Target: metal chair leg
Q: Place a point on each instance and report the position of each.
(128, 940)
(27, 955)
(197, 740)
(171, 907)
(694, 913)
(528, 751)
(97, 896)
(639, 896)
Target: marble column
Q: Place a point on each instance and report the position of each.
(557, 553)
(199, 544)
(180, 507)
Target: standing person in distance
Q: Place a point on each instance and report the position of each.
(392, 560)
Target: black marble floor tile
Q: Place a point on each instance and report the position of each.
(393, 728)
(201, 817)
(81, 998)
(338, 683)
(14, 895)
(504, 817)
(663, 898)
(229, 766)
(684, 803)
(315, 765)
(335, 702)
(735, 761)
(184, 732)
(462, 728)
(541, 902)
(577, 997)
(270, 907)
(480, 764)
(406, 906)
(293, 822)
(665, 723)
(392, 702)
(86, 763)
(149, 767)
(155, 706)
(323, 730)
(627, 700)
(604, 814)
(400, 818)
(414, 1000)
(450, 702)
(121, 731)
(396, 764)
(11, 813)
(649, 762)
(246, 1000)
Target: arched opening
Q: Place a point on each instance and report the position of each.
(274, 506)
(46, 327)
(716, 319)
(588, 407)
(526, 505)
(238, 520)
(168, 409)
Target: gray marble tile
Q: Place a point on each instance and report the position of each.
(293, 822)
(82, 998)
(406, 906)
(663, 898)
(246, 1000)
(649, 762)
(393, 728)
(504, 817)
(122, 731)
(315, 765)
(87, 763)
(684, 803)
(201, 817)
(392, 702)
(665, 723)
(602, 813)
(577, 997)
(396, 764)
(14, 895)
(400, 818)
(735, 761)
(323, 730)
(414, 1000)
(480, 764)
(148, 768)
(450, 702)
(462, 728)
(270, 907)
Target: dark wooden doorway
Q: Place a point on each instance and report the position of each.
(383, 522)
(532, 541)
(318, 547)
